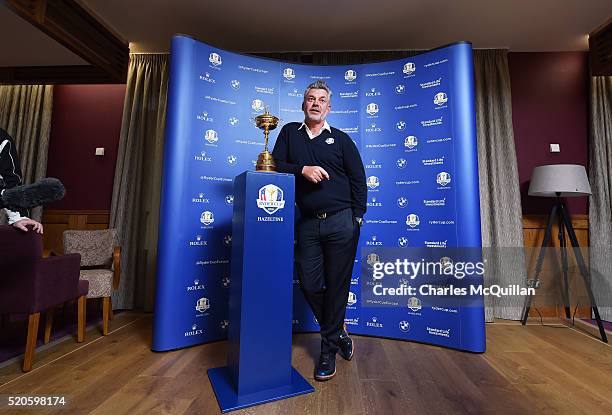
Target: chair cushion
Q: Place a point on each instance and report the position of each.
(95, 247)
(100, 282)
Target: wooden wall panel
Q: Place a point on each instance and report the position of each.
(55, 222)
(534, 227)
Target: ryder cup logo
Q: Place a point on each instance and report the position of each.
(211, 136)
(400, 125)
(203, 304)
(373, 182)
(207, 218)
(400, 89)
(404, 326)
(409, 68)
(257, 105)
(350, 75)
(402, 202)
(235, 84)
(446, 264)
(372, 259)
(215, 59)
(270, 199)
(440, 98)
(289, 74)
(412, 220)
(232, 160)
(410, 142)
(352, 299)
(414, 304)
(401, 163)
(443, 178)
(372, 108)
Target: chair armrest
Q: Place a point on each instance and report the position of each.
(57, 280)
(116, 267)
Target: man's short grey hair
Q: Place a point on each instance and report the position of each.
(318, 84)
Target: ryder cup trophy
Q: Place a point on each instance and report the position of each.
(266, 122)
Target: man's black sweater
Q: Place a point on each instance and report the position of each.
(333, 151)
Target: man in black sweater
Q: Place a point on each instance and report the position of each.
(10, 176)
(331, 193)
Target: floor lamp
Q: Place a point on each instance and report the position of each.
(560, 181)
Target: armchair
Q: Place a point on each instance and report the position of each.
(100, 264)
(30, 284)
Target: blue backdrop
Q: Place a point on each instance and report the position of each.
(413, 121)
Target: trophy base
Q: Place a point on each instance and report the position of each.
(265, 162)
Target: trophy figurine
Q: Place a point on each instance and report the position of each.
(266, 122)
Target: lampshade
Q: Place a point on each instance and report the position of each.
(565, 180)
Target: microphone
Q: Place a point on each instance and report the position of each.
(27, 196)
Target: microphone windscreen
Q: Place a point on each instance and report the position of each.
(44, 191)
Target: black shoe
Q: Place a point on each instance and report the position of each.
(346, 348)
(326, 368)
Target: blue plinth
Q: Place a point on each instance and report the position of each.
(229, 400)
(261, 303)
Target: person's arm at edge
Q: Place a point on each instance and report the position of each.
(355, 171)
(281, 154)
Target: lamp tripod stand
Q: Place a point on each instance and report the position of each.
(559, 212)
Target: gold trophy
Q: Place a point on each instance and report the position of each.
(266, 122)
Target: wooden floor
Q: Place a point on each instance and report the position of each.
(526, 370)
